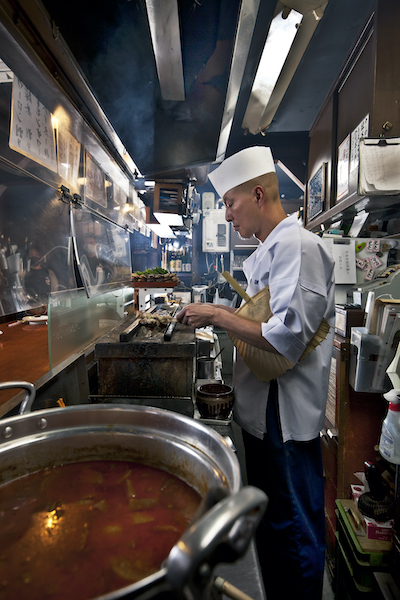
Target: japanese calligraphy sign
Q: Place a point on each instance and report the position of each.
(343, 168)
(95, 182)
(31, 131)
(68, 155)
(343, 253)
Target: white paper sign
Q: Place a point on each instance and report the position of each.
(69, 151)
(380, 166)
(31, 131)
(343, 168)
(95, 182)
(361, 131)
(343, 253)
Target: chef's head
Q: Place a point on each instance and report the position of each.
(248, 184)
(244, 166)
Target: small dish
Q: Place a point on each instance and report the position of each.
(35, 320)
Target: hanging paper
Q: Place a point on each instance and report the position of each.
(69, 151)
(379, 166)
(343, 253)
(343, 168)
(31, 131)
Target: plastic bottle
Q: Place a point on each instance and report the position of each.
(389, 443)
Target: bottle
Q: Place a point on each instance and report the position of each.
(389, 443)
(188, 262)
(9, 250)
(25, 255)
(3, 258)
(178, 263)
(172, 262)
(184, 260)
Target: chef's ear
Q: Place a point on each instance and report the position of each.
(259, 194)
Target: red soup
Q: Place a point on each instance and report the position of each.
(86, 529)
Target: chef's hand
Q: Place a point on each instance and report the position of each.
(197, 315)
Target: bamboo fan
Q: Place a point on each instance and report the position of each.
(266, 365)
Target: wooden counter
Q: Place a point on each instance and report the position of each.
(24, 355)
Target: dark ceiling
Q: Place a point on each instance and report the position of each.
(111, 42)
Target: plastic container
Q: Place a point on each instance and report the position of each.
(365, 349)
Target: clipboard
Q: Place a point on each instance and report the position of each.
(379, 172)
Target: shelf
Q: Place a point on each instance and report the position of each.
(379, 206)
(153, 284)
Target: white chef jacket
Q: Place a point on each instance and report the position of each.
(299, 270)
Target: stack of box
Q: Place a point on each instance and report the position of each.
(374, 530)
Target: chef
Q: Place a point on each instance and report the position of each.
(281, 418)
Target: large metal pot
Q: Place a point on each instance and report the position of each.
(161, 438)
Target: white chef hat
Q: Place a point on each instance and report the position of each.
(241, 167)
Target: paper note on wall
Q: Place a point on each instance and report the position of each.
(344, 254)
(379, 166)
(31, 131)
(69, 151)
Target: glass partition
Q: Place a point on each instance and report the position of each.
(35, 252)
(103, 252)
(54, 174)
(75, 321)
(67, 206)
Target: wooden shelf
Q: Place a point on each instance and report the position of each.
(154, 284)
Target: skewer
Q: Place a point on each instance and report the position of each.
(230, 590)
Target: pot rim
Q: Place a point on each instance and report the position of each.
(85, 419)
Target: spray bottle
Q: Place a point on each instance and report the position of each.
(389, 443)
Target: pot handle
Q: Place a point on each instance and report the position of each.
(27, 402)
(221, 535)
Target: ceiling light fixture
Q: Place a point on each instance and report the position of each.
(171, 219)
(163, 231)
(244, 33)
(289, 35)
(165, 34)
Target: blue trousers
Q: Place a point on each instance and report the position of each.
(291, 537)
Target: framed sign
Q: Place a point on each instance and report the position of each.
(316, 193)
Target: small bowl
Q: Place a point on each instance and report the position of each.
(214, 400)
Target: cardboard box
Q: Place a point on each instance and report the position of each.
(374, 530)
(346, 318)
(356, 491)
(378, 531)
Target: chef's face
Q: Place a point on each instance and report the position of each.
(241, 211)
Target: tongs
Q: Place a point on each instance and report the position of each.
(170, 329)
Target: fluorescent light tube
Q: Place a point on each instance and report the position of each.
(171, 219)
(163, 231)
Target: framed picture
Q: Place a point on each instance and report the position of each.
(316, 193)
